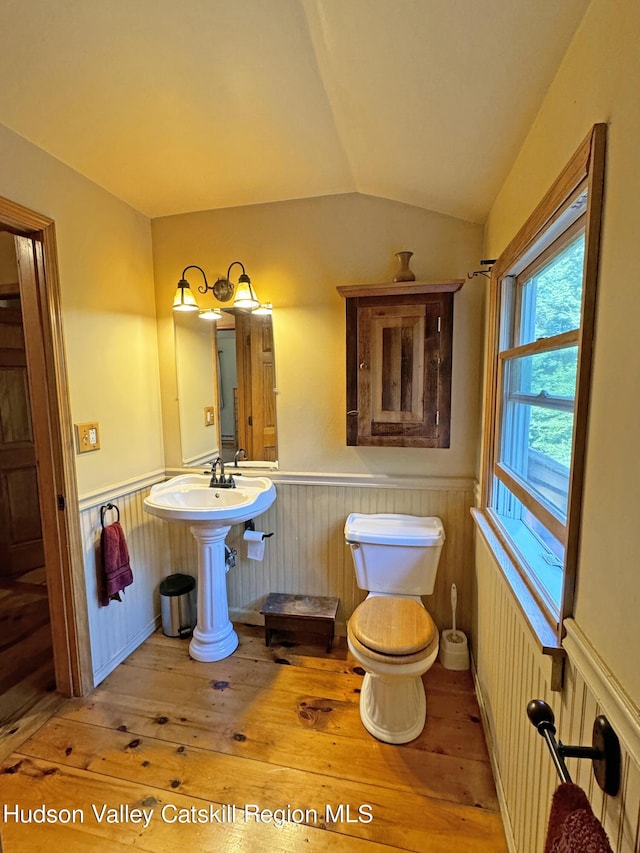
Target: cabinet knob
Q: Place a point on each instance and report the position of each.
(363, 365)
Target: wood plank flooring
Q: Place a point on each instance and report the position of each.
(262, 751)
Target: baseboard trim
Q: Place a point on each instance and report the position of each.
(108, 666)
(497, 778)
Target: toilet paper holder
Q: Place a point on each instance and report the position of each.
(251, 525)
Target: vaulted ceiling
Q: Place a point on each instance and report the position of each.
(181, 105)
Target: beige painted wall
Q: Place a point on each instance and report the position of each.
(598, 81)
(297, 253)
(106, 279)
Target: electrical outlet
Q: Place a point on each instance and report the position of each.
(88, 437)
(209, 416)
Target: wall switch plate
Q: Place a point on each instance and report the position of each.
(209, 415)
(88, 436)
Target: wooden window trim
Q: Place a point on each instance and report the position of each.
(586, 166)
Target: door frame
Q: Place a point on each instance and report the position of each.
(53, 434)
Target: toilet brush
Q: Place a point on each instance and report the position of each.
(454, 604)
(454, 650)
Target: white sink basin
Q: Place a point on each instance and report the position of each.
(210, 511)
(189, 499)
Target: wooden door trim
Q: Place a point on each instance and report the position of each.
(244, 398)
(54, 434)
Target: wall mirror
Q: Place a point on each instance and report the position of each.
(226, 387)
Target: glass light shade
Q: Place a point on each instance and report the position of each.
(244, 295)
(265, 309)
(184, 300)
(211, 314)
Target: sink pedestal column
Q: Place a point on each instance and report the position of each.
(213, 637)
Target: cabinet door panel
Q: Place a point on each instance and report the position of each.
(397, 364)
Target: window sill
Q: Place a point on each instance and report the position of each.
(530, 551)
(544, 633)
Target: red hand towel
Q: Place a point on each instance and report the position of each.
(116, 568)
(573, 827)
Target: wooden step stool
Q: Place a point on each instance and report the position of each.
(303, 615)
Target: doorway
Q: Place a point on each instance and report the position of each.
(26, 652)
(36, 291)
(21, 548)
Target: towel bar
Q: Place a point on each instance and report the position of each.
(103, 510)
(604, 753)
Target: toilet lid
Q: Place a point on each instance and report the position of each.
(393, 626)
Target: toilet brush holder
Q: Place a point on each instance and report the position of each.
(454, 650)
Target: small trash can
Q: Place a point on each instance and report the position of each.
(178, 605)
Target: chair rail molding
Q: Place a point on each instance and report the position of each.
(605, 687)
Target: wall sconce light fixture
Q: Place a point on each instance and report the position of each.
(223, 289)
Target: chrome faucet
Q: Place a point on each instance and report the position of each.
(220, 482)
(214, 465)
(236, 458)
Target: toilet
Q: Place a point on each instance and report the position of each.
(391, 634)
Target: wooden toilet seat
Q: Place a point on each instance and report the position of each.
(392, 630)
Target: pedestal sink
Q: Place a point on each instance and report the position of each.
(210, 512)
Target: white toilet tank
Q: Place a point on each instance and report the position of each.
(395, 554)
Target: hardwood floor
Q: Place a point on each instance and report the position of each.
(262, 751)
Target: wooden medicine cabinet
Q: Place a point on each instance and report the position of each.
(399, 344)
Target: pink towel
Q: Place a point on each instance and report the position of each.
(116, 569)
(573, 827)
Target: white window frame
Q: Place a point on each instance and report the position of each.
(573, 204)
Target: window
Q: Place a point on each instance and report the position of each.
(542, 305)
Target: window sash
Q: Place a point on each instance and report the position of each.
(561, 341)
(542, 511)
(545, 401)
(543, 259)
(548, 514)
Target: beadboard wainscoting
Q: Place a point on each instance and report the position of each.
(307, 553)
(510, 670)
(119, 628)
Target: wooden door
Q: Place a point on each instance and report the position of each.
(21, 546)
(257, 430)
(263, 390)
